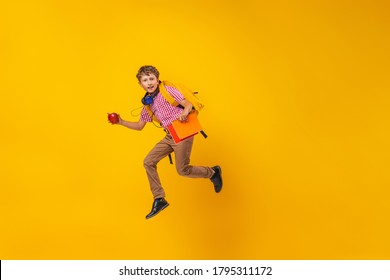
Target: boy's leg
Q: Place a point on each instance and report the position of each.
(159, 151)
(182, 159)
(183, 167)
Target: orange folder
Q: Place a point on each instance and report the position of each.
(183, 130)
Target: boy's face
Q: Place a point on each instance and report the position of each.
(149, 82)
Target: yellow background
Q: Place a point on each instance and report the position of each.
(297, 113)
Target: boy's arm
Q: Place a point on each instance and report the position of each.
(179, 98)
(132, 125)
(187, 109)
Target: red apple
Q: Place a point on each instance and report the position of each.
(113, 118)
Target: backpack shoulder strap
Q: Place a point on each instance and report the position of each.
(166, 94)
(147, 108)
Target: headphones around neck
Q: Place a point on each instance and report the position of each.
(149, 97)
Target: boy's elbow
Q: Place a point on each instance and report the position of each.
(141, 126)
(185, 103)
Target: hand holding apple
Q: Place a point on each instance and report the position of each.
(113, 118)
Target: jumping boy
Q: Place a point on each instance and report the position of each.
(148, 79)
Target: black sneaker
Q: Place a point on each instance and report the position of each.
(159, 204)
(217, 178)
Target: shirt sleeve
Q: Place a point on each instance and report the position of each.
(145, 117)
(177, 95)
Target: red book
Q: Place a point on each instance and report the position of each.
(183, 130)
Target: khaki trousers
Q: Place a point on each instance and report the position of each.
(182, 152)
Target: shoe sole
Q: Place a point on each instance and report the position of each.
(220, 174)
(165, 206)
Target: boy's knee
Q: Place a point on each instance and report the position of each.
(184, 171)
(149, 163)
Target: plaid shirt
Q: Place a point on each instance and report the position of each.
(162, 109)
